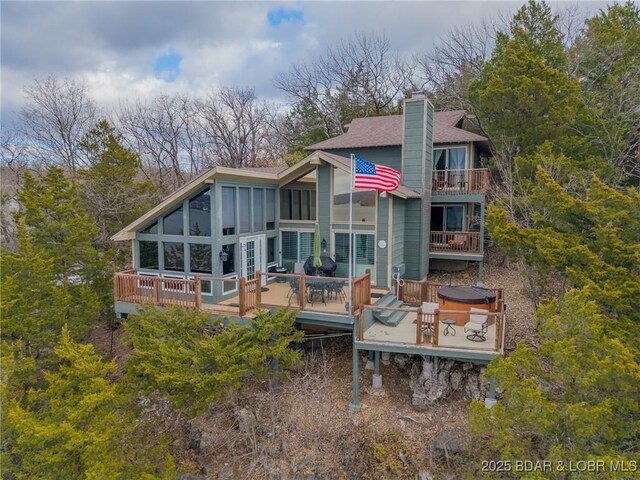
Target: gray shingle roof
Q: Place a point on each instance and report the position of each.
(387, 131)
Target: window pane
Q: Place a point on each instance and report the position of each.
(457, 158)
(172, 223)
(285, 204)
(200, 215)
(228, 210)
(200, 258)
(304, 205)
(440, 159)
(289, 250)
(271, 209)
(229, 265)
(295, 204)
(365, 252)
(258, 210)
(153, 228)
(148, 255)
(306, 245)
(271, 250)
(174, 256)
(312, 204)
(206, 287)
(364, 201)
(342, 254)
(437, 219)
(245, 223)
(455, 219)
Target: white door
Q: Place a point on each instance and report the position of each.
(252, 257)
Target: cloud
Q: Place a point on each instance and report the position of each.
(279, 15)
(167, 66)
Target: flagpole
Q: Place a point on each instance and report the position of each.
(351, 243)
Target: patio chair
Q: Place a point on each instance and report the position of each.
(336, 289)
(428, 313)
(294, 289)
(477, 325)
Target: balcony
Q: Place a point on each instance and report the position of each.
(455, 242)
(475, 180)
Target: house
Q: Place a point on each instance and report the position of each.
(215, 244)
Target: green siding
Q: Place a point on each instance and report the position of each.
(382, 254)
(413, 221)
(398, 255)
(324, 203)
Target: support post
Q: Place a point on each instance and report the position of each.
(355, 406)
(242, 297)
(156, 291)
(490, 399)
(302, 292)
(275, 376)
(436, 328)
(377, 376)
(197, 289)
(419, 324)
(258, 289)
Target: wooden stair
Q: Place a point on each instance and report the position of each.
(390, 318)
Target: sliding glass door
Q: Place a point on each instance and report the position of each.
(364, 252)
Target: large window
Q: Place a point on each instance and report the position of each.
(148, 255)
(174, 256)
(245, 212)
(228, 211)
(271, 209)
(229, 268)
(200, 258)
(152, 229)
(296, 247)
(200, 215)
(172, 223)
(364, 201)
(258, 210)
(297, 204)
(450, 158)
(364, 252)
(448, 218)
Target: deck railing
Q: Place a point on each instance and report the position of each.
(161, 291)
(428, 326)
(361, 291)
(457, 242)
(474, 180)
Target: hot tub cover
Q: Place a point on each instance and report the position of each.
(468, 295)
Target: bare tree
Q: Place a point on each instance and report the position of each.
(58, 115)
(359, 76)
(155, 131)
(456, 60)
(240, 128)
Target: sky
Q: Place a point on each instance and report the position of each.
(127, 50)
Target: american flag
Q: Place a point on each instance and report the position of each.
(369, 176)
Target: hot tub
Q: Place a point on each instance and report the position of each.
(465, 298)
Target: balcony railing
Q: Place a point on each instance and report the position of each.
(457, 242)
(475, 180)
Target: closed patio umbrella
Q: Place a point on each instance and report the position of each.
(317, 261)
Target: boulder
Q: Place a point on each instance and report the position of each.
(448, 443)
(430, 384)
(456, 379)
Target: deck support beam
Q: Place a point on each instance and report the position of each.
(355, 406)
(490, 399)
(377, 376)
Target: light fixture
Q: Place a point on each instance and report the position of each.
(224, 256)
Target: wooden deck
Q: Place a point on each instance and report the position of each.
(405, 333)
(317, 294)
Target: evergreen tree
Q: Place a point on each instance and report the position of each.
(112, 195)
(80, 426)
(607, 59)
(35, 303)
(57, 223)
(179, 353)
(573, 398)
(524, 95)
